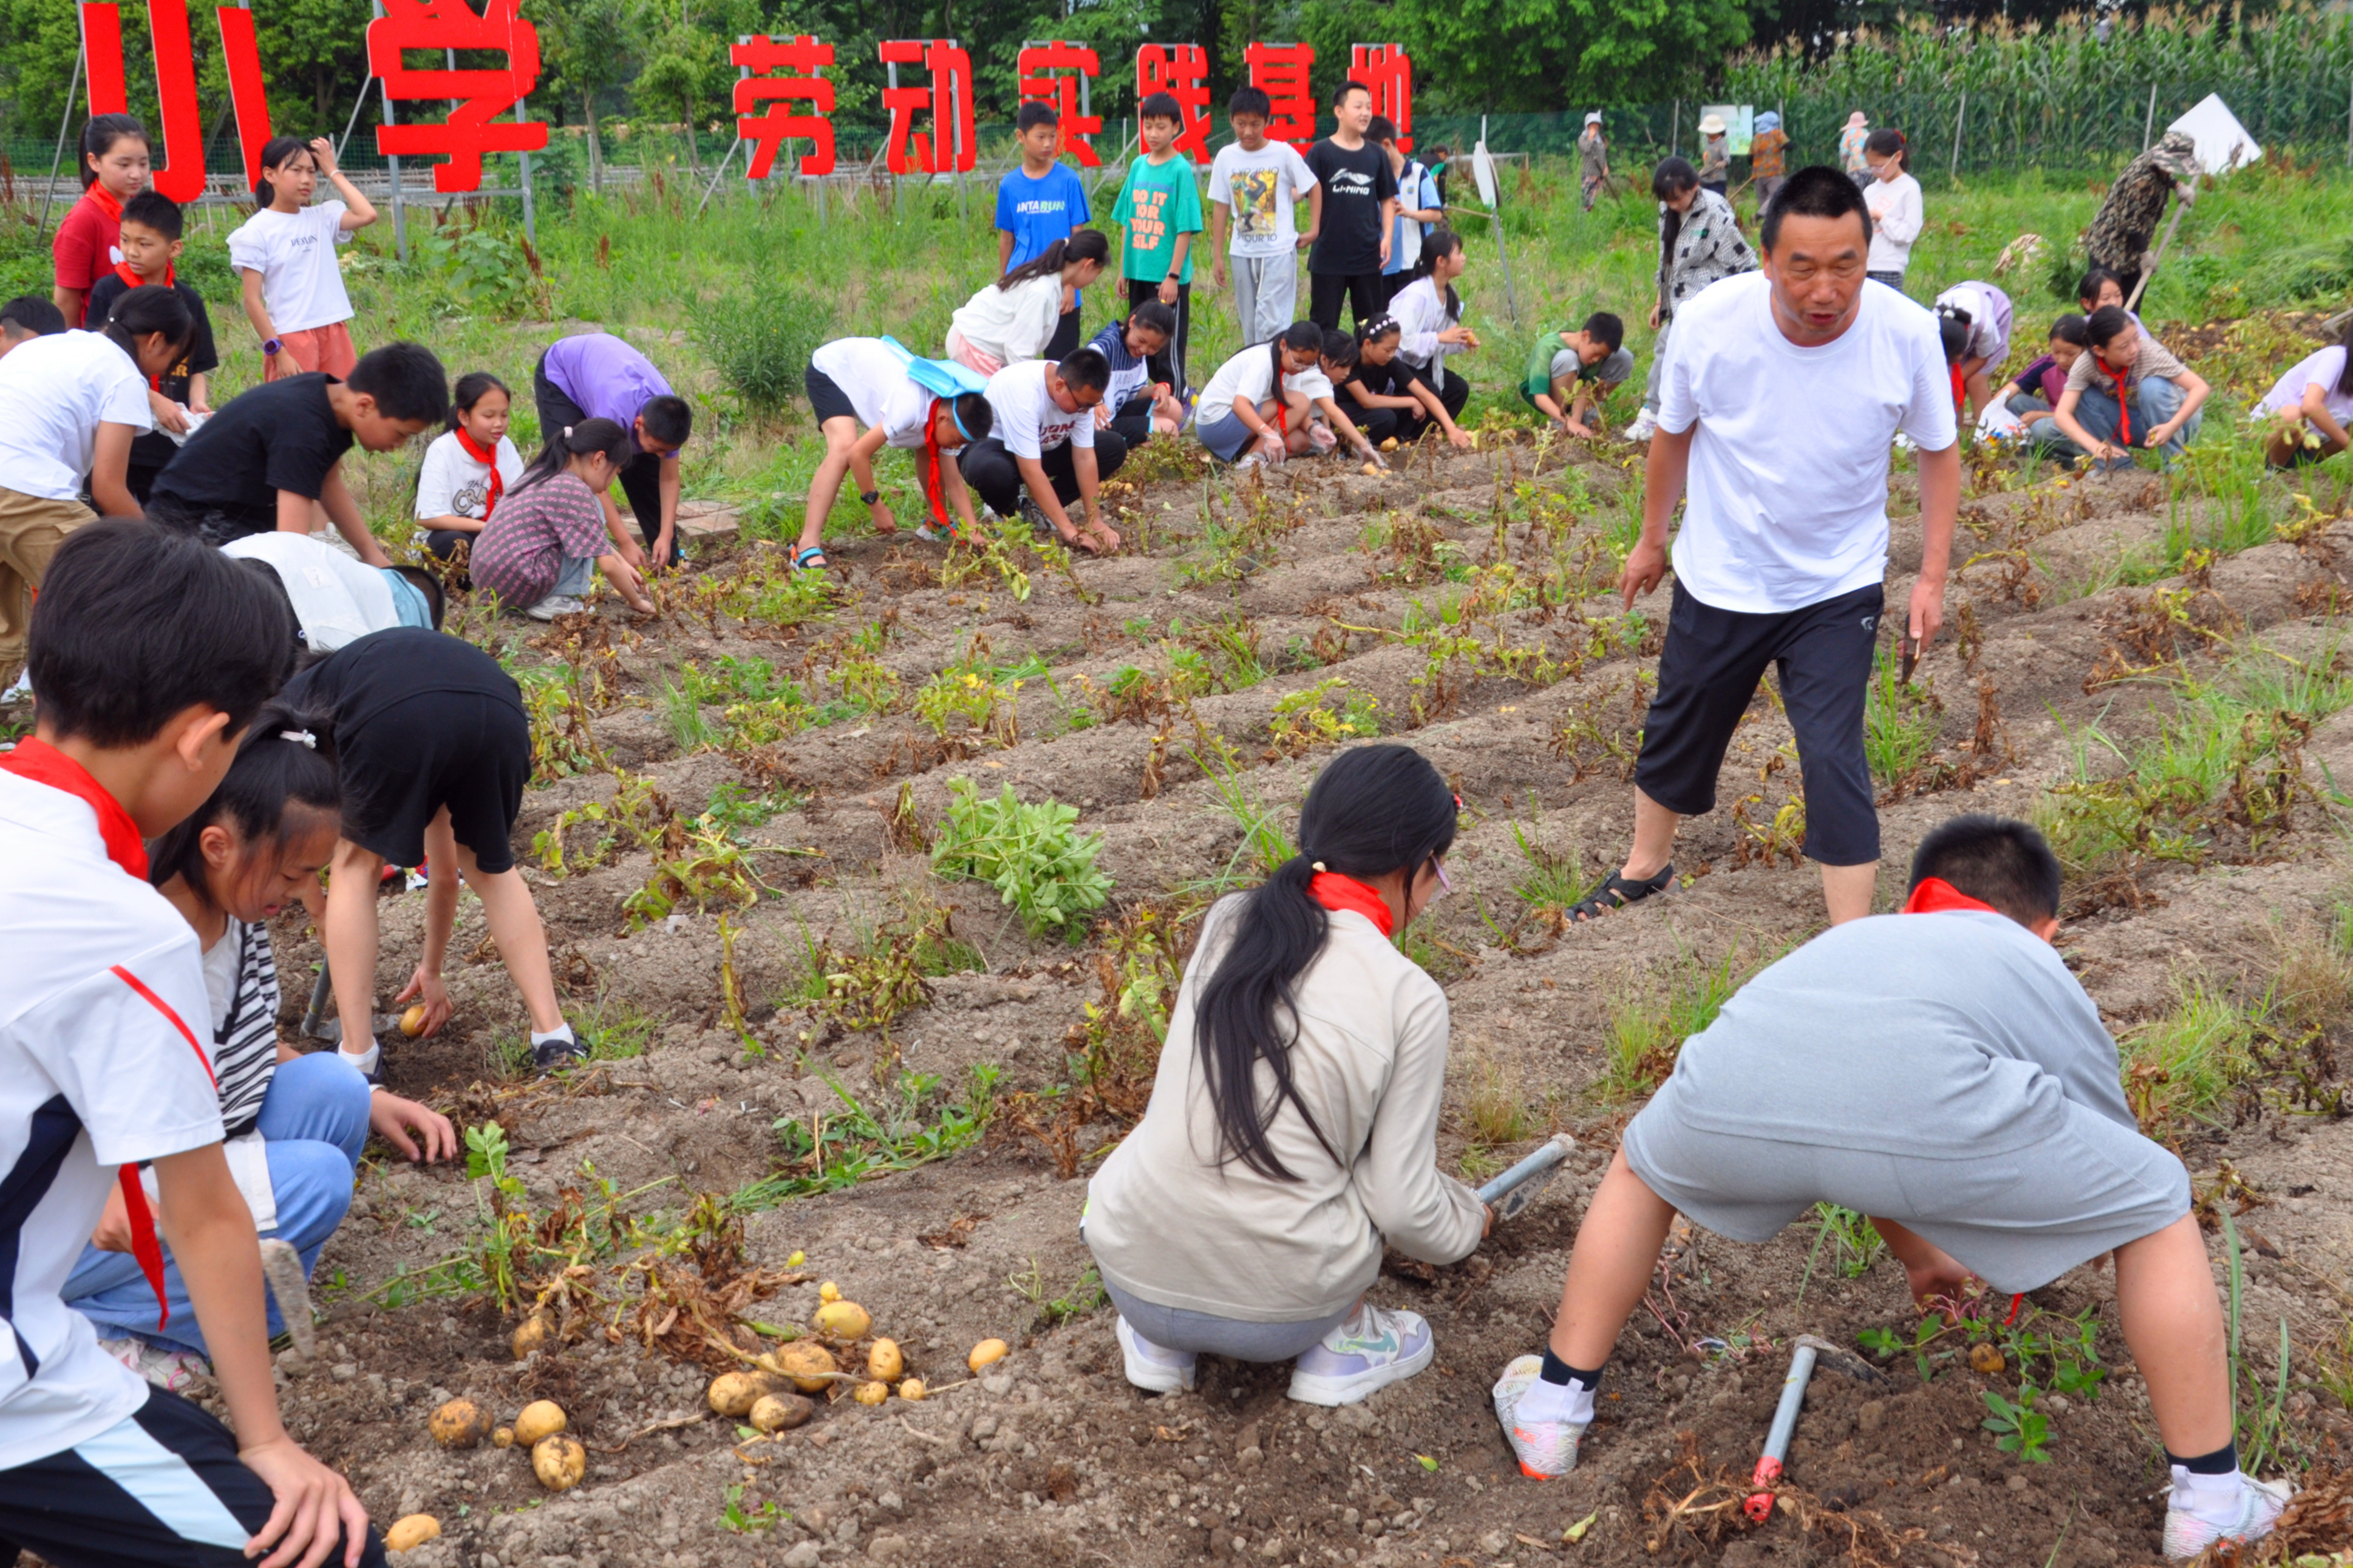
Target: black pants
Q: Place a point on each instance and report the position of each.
(1453, 391)
(121, 1502)
(641, 477)
(1406, 425)
(1365, 292)
(1707, 674)
(1065, 338)
(1169, 365)
(1132, 423)
(996, 476)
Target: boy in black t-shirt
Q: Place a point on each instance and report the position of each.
(1360, 199)
(274, 455)
(150, 249)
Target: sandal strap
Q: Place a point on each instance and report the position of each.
(1616, 892)
(801, 558)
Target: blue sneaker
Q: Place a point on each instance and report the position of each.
(1376, 1347)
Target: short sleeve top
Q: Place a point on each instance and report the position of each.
(533, 532)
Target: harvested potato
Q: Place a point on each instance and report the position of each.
(536, 1332)
(871, 1392)
(781, 1412)
(1390, 445)
(810, 1365)
(1986, 1359)
(797, 1259)
(912, 1389)
(461, 1423)
(1372, 467)
(884, 1362)
(541, 1418)
(559, 1461)
(829, 1292)
(734, 1393)
(415, 1530)
(412, 1023)
(843, 1321)
(986, 1353)
(502, 1439)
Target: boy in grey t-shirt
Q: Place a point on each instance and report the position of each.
(1941, 1071)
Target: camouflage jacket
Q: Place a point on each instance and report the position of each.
(2120, 234)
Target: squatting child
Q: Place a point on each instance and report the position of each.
(1044, 452)
(536, 550)
(151, 226)
(1570, 371)
(468, 467)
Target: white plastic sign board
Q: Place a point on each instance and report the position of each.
(1483, 169)
(2223, 144)
(1739, 125)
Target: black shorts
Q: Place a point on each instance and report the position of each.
(462, 750)
(1707, 674)
(826, 400)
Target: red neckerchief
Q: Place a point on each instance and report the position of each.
(2124, 399)
(498, 485)
(931, 491)
(42, 764)
(1335, 891)
(132, 281)
(1960, 390)
(1934, 896)
(106, 201)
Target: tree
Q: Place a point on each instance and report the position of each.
(1523, 54)
(685, 67)
(583, 47)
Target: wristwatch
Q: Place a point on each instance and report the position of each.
(869, 497)
(272, 347)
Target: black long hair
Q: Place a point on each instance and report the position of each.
(1673, 177)
(471, 388)
(2344, 375)
(149, 308)
(1890, 142)
(1440, 241)
(1372, 810)
(1085, 245)
(98, 137)
(287, 758)
(1299, 337)
(569, 441)
(275, 154)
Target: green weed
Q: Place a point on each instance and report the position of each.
(1900, 722)
(837, 1149)
(1039, 866)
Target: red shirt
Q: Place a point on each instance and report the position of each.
(88, 246)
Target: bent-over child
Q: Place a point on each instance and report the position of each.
(2311, 407)
(1974, 319)
(468, 467)
(1015, 318)
(1570, 371)
(26, 317)
(596, 375)
(536, 550)
(1135, 404)
(1942, 1072)
(865, 382)
(1312, 406)
(151, 227)
(336, 598)
(1044, 452)
(1387, 402)
(285, 258)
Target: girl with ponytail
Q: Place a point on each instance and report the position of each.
(1292, 1132)
(70, 405)
(538, 546)
(284, 255)
(1016, 317)
(89, 243)
(1893, 197)
(1428, 314)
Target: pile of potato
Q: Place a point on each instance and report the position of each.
(773, 1394)
(557, 1459)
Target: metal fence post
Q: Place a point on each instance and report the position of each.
(57, 161)
(2149, 121)
(1961, 116)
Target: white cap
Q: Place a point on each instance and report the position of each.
(1593, 118)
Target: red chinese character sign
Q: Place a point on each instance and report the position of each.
(182, 175)
(1056, 74)
(947, 148)
(1388, 72)
(1281, 70)
(473, 128)
(793, 62)
(1182, 71)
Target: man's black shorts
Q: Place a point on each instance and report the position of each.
(1707, 674)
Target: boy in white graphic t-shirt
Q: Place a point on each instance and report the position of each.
(1254, 185)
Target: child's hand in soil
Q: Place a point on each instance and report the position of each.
(885, 520)
(313, 1505)
(1937, 1277)
(433, 993)
(394, 1118)
(1460, 438)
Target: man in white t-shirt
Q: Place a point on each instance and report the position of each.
(101, 1068)
(1254, 184)
(1782, 393)
(1044, 441)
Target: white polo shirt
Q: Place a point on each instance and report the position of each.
(104, 1060)
(877, 383)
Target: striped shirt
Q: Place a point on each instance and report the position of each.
(241, 981)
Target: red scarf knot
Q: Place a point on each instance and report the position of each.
(1937, 896)
(1335, 891)
(466, 444)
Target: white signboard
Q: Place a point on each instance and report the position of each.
(2223, 144)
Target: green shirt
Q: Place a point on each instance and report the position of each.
(1536, 381)
(1159, 202)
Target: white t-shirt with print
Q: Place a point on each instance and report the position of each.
(877, 383)
(455, 483)
(54, 391)
(1029, 421)
(104, 1061)
(1248, 377)
(302, 282)
(1262, 187)
(1787, 501)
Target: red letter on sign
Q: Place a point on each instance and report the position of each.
(1182, 71)
(1388, 72)
(246, 95)
(182, 176)
(1062, 91)
(1281, 70)
(797, 59)
(469, 133)
(949, 98)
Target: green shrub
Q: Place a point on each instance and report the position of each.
(1028, 853)
(760, 342)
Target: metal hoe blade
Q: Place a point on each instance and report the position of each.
(282, 1267)
(1510, 1193)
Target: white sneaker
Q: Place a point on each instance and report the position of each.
(556, 604)
(1645, 426)
(1151, 1367)
(1545, 1450)
(172, 1370)
(1376, 1347)
(20, 690)
(2260, 1504)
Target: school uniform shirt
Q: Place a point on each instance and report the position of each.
(337, 597)
(1129, 373)
(302, 282)
(1010, 325)
(101, 1066)
(1787, 501)
(2324, 369)
(152, 450)
(1896, 218)
(1708, 247)
(1159, 202)
(1354, 186)
(1029, 422)
(2149, 358)
(522, 549)
(281, 435)
(2044, 379)
(54, 391)
(241, 991)
(1167, 1222)
(876, 382)
(1420, 312)
(455, 483)
(605, 379)
(89, 243)
(1038, 212)
(1988, 312)
(1248, 377)
(1262, 188)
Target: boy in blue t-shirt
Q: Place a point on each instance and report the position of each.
(1037, 204)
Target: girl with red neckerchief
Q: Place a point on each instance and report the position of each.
(468, 469)
(89, 243)
(1293, 1128)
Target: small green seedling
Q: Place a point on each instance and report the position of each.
(2019, 1427)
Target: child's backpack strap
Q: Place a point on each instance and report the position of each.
(941, 377)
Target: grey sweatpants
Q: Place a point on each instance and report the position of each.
(1203, 1333)
(1266, 295)
(1658, 363)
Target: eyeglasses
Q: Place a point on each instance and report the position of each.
(1444, 887)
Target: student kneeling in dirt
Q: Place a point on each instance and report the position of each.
(1941, 1071)
(1293, 1119)
(1045, 443)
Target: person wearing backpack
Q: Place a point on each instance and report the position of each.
(868, 394)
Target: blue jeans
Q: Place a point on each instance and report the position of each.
(315, 1122)
(2156, 401)
(572, 579)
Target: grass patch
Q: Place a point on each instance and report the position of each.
(1650, 1021)
(2182, 1066)
(1900, 722)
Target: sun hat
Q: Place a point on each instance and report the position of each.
(1593, 117)
(1767, 120)
(1711, 124)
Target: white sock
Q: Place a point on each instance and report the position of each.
(2215, 1499)
(364, 1060)
(1571, 1401)
(561, 1032)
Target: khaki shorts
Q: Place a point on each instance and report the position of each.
(31, 529)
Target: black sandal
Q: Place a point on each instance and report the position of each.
(1617, 892)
